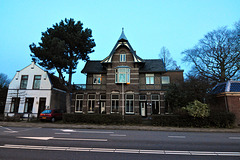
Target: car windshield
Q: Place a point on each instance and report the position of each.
(47, 111)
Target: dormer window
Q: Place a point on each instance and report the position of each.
(123, 57)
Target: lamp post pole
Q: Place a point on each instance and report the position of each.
(123, 100)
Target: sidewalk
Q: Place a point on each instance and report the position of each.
(115, 127)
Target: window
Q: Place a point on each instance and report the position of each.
(165, 79)
(115, 103)
(122, 75)
(36, 82)
(129, 103)
(155, 104)
(14, 105)
(123, 57)
(28, 105)
(79, 103)
(149, 78)
(91, 103)
(97, 79)
(142, 97)
(24, 81)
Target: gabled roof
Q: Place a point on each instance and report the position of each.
(93, 67)
(122, 41)
(229, 86)
(56, 82)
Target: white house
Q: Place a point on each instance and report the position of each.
(32, 90)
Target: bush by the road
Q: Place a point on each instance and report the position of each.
(102, 119)
(219, 120)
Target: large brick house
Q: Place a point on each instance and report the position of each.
(124, 83)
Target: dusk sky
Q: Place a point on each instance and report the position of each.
(148, 24)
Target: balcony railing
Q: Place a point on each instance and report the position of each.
(90, 86)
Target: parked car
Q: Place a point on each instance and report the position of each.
(51, 115)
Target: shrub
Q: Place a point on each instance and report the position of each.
(93, 118)
(133, 119)
(219, 120)
(197, 109)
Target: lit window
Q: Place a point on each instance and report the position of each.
(122, 75)
(165, 79)
(97, 79)
(36, 82)
(79, 103)
(122, 57)
(149, 78)
(24, 81)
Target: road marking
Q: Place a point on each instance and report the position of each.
(176, 136)
(66, 139)
(234, 138)
(111, 150)
(74, 131)
(11, 131)
(118, 135)
(63, 133)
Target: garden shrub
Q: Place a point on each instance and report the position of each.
(197, 109)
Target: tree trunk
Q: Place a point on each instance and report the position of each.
(68, 102)
(68, 96)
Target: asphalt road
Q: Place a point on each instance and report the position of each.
(56, 143)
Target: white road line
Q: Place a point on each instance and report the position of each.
(66, 139)
(76, 139)
(98, 132)
(234, 138)
(134, 151)
(176, 136)
(118, 135)
(11, 131)
(63, 133)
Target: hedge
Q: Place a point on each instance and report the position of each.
(219, 120)
(101, 119)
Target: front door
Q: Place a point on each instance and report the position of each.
(42, 105)
(143, 108)
(103, 107)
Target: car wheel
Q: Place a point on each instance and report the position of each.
(53, 119)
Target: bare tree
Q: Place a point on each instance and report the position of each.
(216, 56)
(4, 81)
(165, 55)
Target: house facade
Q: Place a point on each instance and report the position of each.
(124, 83)
(227, 98)
(32, 90)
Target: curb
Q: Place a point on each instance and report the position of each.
(116, 127)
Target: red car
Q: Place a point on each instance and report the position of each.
(51, 115)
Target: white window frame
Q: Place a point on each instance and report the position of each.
(79, 103)
(97, 79)
(91, 103)
(115, 108)
(123, 57)
(155, 101)
(123, 71)
(24, 82)
(27, 105)
(37, 81)
(165, 81)
(127, 104)
(149, 78)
